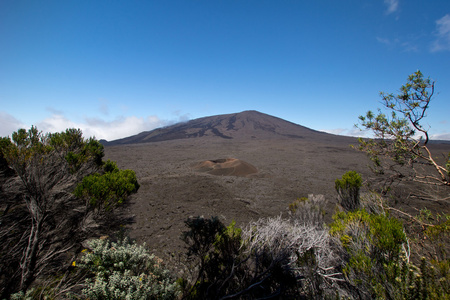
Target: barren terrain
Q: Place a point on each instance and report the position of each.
(254, 172)
(172, 187)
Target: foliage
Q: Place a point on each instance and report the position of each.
(293, 207)
(442, 227)
(201, 238)
(397, 135)
(201, 234)
(221, 269)
(377, 259)
(399, 151)
(43, 219)
(107, 190)
(382, 237)
(310, 210)
(348, 190)
(271, 257)
(77, 150)
(124, 270)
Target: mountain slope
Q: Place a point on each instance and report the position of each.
(243, 125)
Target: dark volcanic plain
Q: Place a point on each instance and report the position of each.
(183, 171)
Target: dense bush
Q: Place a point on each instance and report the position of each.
(377, 263)
(124, 270)
(109, 189)
(348, 190)
(214, 249)
(42, 220)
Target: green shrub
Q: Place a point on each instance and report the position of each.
(294, 205)
(381, 235)
(348, 190)
(108, 190)
(215, 249)
(377, 262)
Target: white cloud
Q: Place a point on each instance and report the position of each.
(442, 42)
(181, 117)
(347, 132)
(110, 130)
(441, 136)
(9, 124)
(101, 129)
(56, 123)
(355, 132)
(384, 41)
(333, 131)
(392, 6)
(54, 111)
(408, 46)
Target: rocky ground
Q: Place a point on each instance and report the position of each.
(240, 167)
(174, 187)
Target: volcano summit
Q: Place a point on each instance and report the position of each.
(246, 125)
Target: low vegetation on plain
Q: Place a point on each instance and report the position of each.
(59, 196)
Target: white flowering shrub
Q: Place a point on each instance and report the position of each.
(125, 270)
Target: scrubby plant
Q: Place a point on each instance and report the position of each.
(42, 219)
(309, 210)
(109, 189)
(214, 248)
(124, 270)
(293, 207)
(201, 234)
(301, 251)
(377, 262)
(271, 257)
(348, 190)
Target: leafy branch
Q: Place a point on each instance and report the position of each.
(400, 135)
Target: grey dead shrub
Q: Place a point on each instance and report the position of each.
(301, 245)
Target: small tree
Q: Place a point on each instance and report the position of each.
(48, 167)
(402, 137)
(348, 190)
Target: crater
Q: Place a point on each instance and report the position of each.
(226, 167)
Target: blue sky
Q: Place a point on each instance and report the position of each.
(117, 68)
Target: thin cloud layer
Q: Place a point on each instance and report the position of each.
(347, 132)
(407, 46)
(9, 124)
(355, 132)
(441, 136)
(392, 6)
(442, 42)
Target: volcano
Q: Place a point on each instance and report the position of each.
(246, 125)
